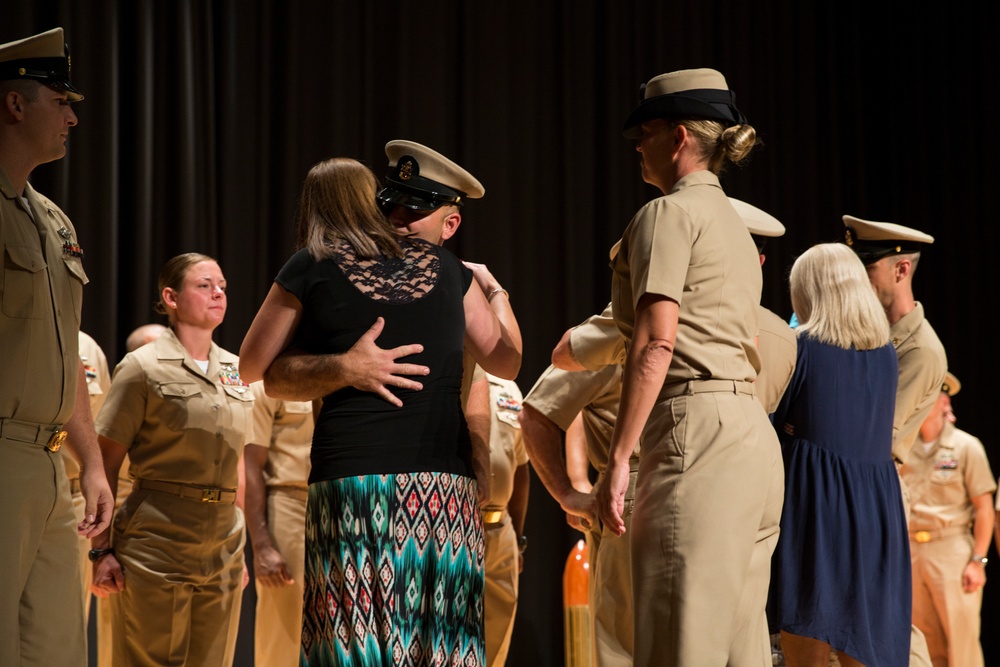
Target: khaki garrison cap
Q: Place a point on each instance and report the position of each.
(872, 241)
(951, 385)
(760, 223)
(43, 58)
(422, 179)
(686, 93)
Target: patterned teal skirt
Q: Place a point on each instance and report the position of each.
(394, 572)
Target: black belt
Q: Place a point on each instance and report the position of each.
(49, 436)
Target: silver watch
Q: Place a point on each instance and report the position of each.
(981, 560)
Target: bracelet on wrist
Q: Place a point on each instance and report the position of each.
(979, 560)
(489, 297)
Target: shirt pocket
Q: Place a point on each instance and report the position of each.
(240, 400)
(179, 403)
(25, 282)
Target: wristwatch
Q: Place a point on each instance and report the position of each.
(981, 560)
(96, 554)
(522, 543)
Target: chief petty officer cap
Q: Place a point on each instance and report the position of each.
(951, 385)
(758, 222)
(872, 241)
(422, 179)
(43, 57)
(687, 93)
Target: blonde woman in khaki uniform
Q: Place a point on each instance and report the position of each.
(178, 408)
(685, 289)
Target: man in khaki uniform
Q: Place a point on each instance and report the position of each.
(557, 400)
(951, 490)
(890, 253)
(504, 509)
(95, 366)
(277, 465)
(776, 341)
(43, 387)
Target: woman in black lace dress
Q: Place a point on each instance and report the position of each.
(394, 545)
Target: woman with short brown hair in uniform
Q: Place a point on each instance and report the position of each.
(174, 557)
(685, 291)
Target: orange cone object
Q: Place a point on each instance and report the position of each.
(576, 613)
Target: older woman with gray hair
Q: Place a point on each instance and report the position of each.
(841, 573)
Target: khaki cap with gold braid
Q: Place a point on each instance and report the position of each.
(951, 385)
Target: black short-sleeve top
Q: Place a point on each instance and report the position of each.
(420, 296)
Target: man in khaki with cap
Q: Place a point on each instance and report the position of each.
(423, 196)
(951, 524)
(276, 460)
(95, 366)
(890, 253)
(43, 388)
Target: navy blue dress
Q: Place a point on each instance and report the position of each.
(841, 569)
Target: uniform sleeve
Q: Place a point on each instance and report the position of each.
(124, 411)
(660, 239)
(921, 373)
(978, 475)
(261, 417)
(561, 395)
(596, 342)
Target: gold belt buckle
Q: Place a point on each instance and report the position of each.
(492, 516)
(922, 536)
(55, 443)
(210, 495)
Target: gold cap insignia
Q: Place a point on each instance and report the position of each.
(406, 169)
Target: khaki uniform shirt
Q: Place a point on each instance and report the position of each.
(95, 365)
(561, 395)
(285, 429)
(944, 480)
(41, 293)
(922, 367)
(179, 424)
(507, 450)
(596, 342)
(691, 246)
(778, 351)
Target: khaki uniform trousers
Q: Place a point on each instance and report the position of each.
(707, 509)
(41, 619)
(278, 624)
(919, 651)
(500, 593)
(611, 589)
(948, 616)
(183, 562)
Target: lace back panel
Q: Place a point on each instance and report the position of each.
(392, 279)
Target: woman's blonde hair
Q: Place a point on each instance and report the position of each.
(834, 300)
(338, 204)
(718, 144)
(172, 275)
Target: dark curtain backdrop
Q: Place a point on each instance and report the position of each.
(202, 118)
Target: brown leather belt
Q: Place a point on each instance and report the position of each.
(924, 536)
(201, 493)
(49, 436)
(493, 516)
(707, 386)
